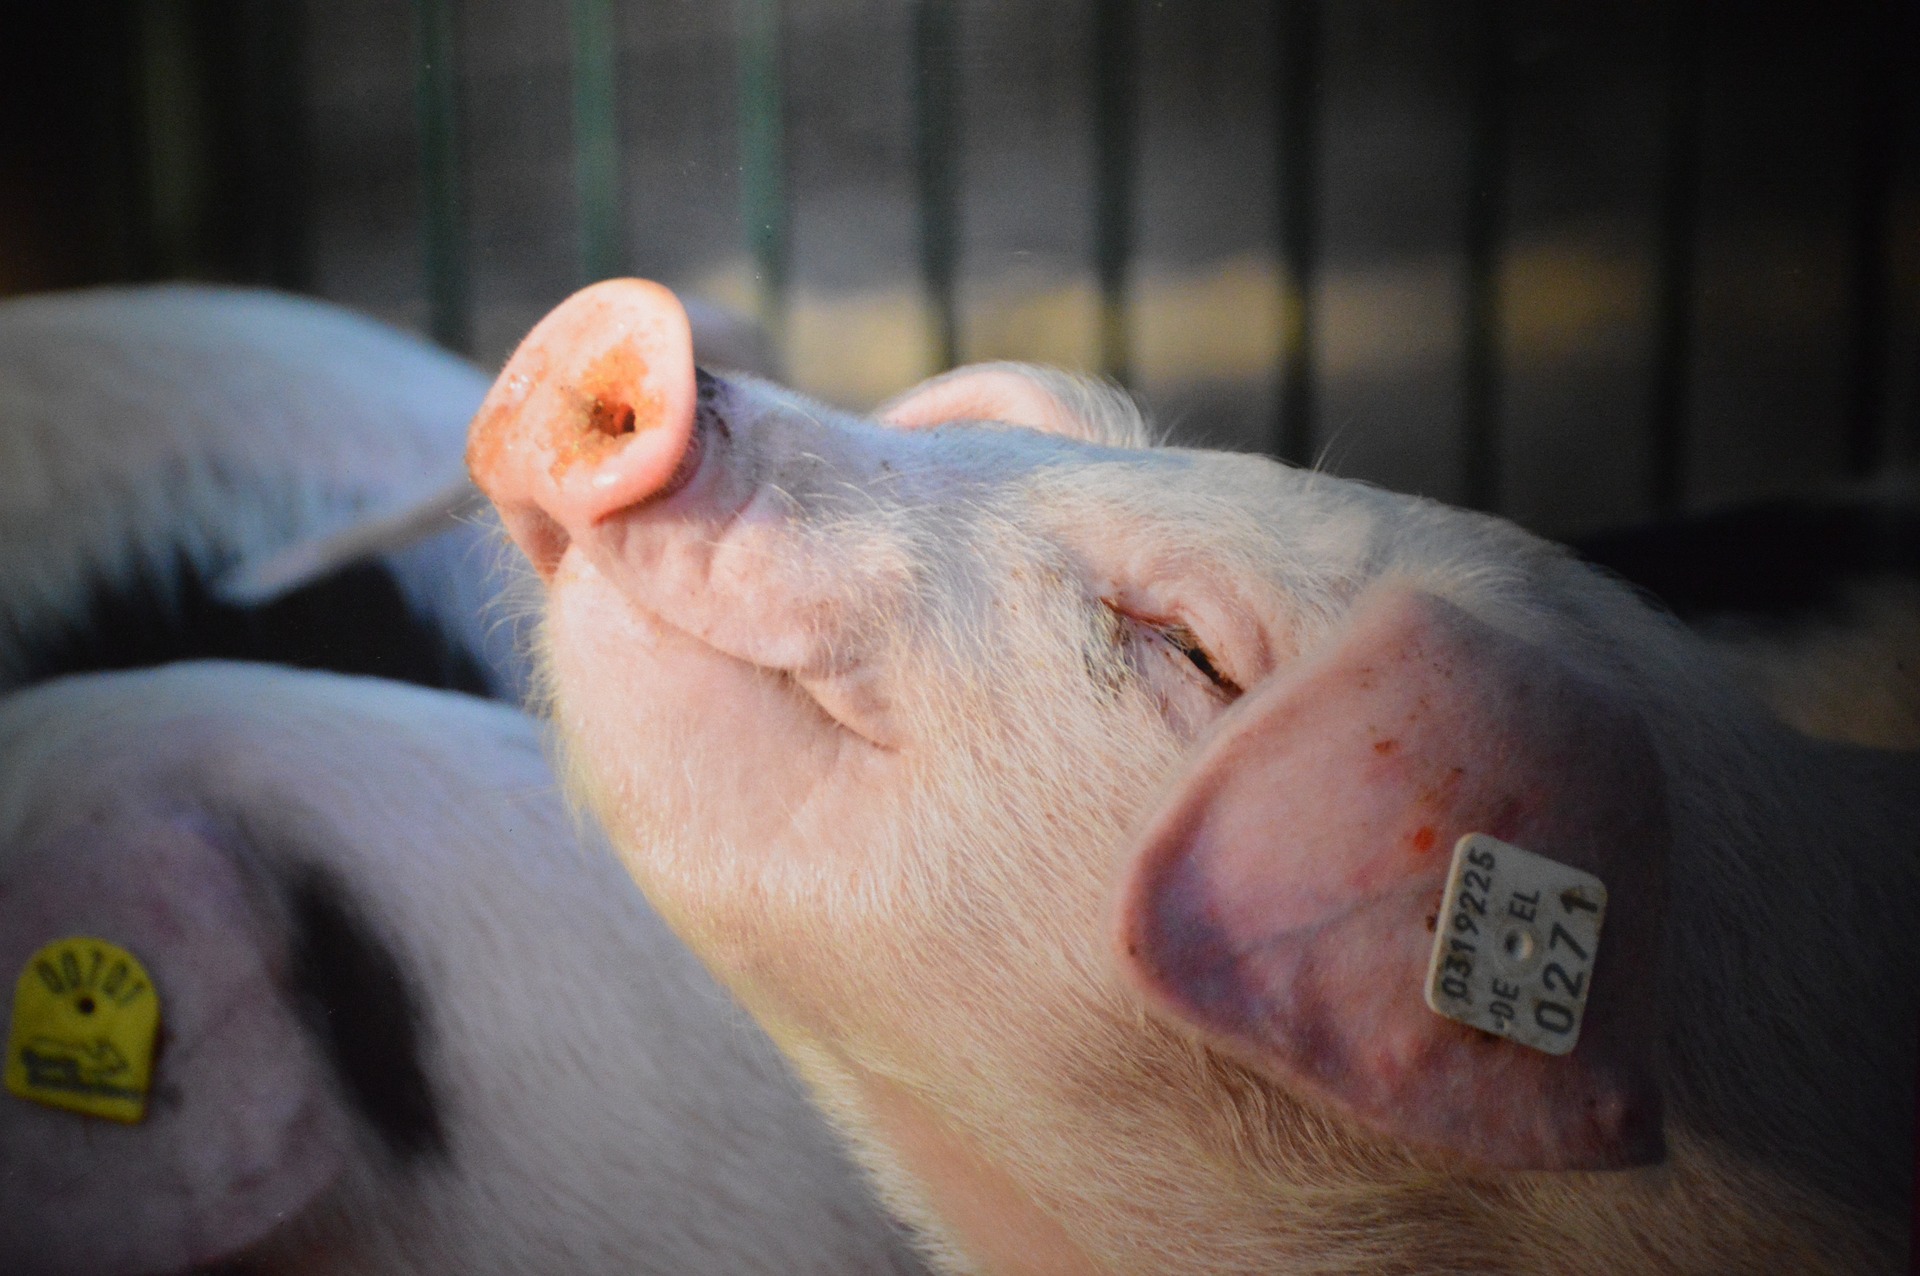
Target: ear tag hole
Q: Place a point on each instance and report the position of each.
(1514, 948)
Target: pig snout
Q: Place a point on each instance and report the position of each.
(593, 414)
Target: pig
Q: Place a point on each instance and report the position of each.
(162, 447)
(204, 471)
(413, 1020)
(1075, 813)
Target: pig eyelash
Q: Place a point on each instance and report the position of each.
(1179, 638)
(1182, 640)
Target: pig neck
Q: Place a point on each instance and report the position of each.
(1801, 1059)
(987, 1215)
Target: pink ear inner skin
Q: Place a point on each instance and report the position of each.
(985, 394)
(1283, 899)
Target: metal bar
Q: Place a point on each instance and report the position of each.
(936, 151)
(1679, 223)
(449, 309)
(175, 166)
(596, 138)
(1486, 220)
(1115, 90)
(1879, 37)
(273, 198)
(1296, 102)
(763, 161)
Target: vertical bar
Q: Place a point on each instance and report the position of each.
(1878, 37)
(1679, 223)
(269, 100)
(171, 139)
(936, 102)
(1296, 102)
(449, 318)
(112, 78)
(1115, 89)
(596, 138)
(763, 161)
(1486, 218)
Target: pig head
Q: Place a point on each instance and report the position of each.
(1076, 812)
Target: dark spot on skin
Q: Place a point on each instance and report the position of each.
(1433, 920)
(353, 996)
(1384, 747)
(353, 621)
(1423, 838)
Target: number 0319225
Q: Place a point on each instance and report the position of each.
(1514, 943)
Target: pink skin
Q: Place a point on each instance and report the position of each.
(612, 374)
(664, 605)
(689, 605)
(898, 728)
(1279, 896)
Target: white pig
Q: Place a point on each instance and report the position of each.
(1075, 813)
(158, 443)
(203, 471)
(412, 1021)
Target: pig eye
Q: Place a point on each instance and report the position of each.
(1182, 640)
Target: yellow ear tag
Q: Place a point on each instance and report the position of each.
(85, 1017)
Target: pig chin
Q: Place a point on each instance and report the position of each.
(709, 771)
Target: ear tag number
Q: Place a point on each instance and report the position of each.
(85, 1017)
(1514, 944)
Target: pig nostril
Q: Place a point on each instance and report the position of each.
(610, 419)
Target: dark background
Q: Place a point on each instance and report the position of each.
(1579, 263)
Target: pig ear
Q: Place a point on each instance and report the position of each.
(241, 1129)
(1282, 901)
(261, 578)
(1003, 392)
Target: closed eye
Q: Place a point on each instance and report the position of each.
(1182, 640)
(1154, 642)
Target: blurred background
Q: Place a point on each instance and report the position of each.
(1578, 263)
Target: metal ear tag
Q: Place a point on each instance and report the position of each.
(1514, 944)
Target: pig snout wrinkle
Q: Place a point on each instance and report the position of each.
(594, 413)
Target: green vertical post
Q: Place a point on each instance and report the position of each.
(174, 163)
(1679, 220)
(1296, 102)
(763, 160)
(935, 74)
(437, 99)
(1116, 47)
(1486, 217)
(596, 138)
(269, 96)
